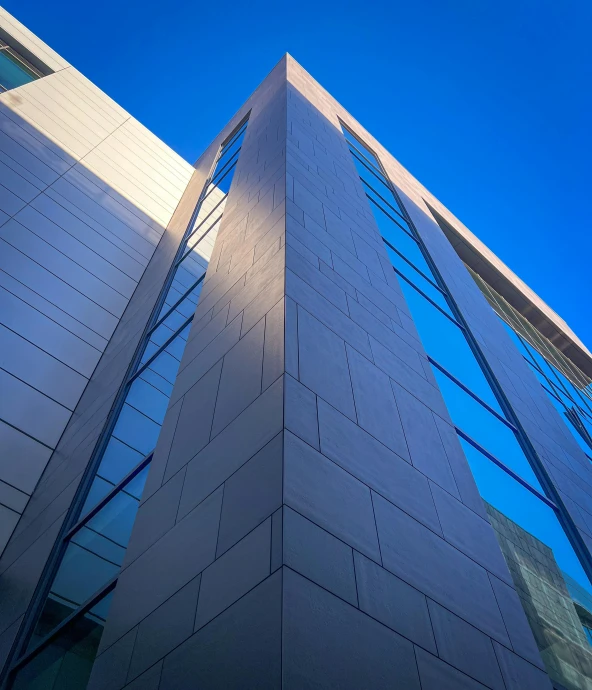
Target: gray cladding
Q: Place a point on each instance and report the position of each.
(310, 519)
(86, 195)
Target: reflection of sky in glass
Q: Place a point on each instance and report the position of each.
(556, 385)
(525, 509)
(485, 428)
(67, 661)
(93, 556)
(95, 551)
(447, 345)
(360, 146)
(417, 279)
(138, 425)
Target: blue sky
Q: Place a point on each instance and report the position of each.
(487, 103)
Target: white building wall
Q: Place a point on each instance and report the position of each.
(86, 192)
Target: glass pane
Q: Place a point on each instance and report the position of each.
(521, 506)
(232, 146)
(401, 241)
(118, 460)
(223, 183)
(358, 145)
(166, 364)
(417, 279)
(226, 162)
(482, 426)
(374, 179)
(447, 345)
(136, 430)
(389, 203)
(93, 556)
(210, 227)
(543, 565)
(66, 663)
(147, 399)
(183, 310)
(13, 72)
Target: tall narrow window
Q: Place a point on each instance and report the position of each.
(567, 387)
(528, 524)
(69, 623)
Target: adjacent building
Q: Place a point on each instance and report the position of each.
(274, 420)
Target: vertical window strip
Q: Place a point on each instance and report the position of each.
(104, 525)
(531, 513)
(530, 338)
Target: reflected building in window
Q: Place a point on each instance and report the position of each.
(275, 419)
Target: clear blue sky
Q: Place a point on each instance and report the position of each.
(488, 103)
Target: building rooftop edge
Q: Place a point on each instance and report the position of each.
(507, 283)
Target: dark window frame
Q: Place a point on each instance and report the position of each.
(552, 495)
(18, 654)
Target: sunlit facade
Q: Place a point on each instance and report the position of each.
(311, 433)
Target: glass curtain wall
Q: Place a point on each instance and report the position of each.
(492, 444)
(568, 388)
(69, 624)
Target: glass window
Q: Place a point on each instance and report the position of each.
(425, 285)
(136, 430)
(387, 204)
(402, 241)
(184, 309)
(544, 568)
(526, 510)
(66, 662)
(118, 460)
(482, 426)
(445, 342)
(373, 178)
(95, 551)
(353, 140)
(147, 399)
(92, 558)
(13, 72)
(231, 146)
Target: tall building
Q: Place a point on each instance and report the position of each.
(275, 420)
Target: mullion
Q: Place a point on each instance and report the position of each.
(124, 392)
(85, 607)
(421, 273)
(505, 468)
(199, 240)
(202, 222)
(475, 397)
(232, 160)
(163, 347)
(98, 555)
(565, 387)
(429, 299)
(395, 220)
(175, 305)
(217, 182)
(233, 138)
(569, 533)
(379, 176)
(352, 144)
(551, 368)
(382, 198)
(132, 474)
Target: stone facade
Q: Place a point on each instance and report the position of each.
(548, 604)
(309, 519)
(308, 463)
